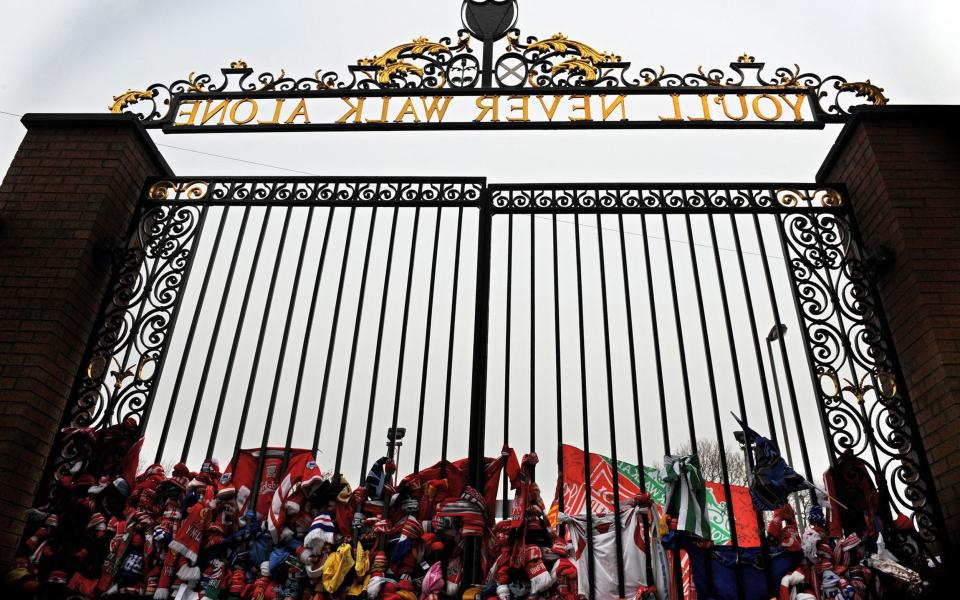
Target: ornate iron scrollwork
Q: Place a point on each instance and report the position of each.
(318, 192)
(133, 328)
(861, 394)
(553, 62)
(643, 198)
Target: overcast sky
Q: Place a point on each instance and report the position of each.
(62, 56)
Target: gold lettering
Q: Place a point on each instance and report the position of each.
(407, 109)
(706, 110)
(776, 103)
(797, 115)
(553, 109)
(484, 109)
(434, 110)
(608, 110)
(220, 109)
(677, 116)
(722, 100)
(254, 107)
(585, 108)
(524, 108)
(384, 107)
(300, 110)
(276, 114)
(192, 112)
(355, 111)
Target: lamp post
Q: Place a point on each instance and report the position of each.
(779, 332)
(394, 443)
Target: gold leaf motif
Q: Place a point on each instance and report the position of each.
(791, 81)
(578, 65)
(389, 64)
(192, 85)
(129, 97)
(161, 190)
(745, 58)
(714, 81)
(831, 198)
(238, 64)
(865, 89)
(648, 80)
(563, 44)
(168, 190)
(884, 384)
(789, 198)
(585, 63)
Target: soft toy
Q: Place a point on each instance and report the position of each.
(782, 529)
(564, 572)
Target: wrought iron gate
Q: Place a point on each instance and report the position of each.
(626, 319)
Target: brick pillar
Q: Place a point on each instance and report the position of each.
(902, 168)
(69, 194)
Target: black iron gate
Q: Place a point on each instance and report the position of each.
(628, 320)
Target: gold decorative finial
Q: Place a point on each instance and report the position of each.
(745, 58)
(238, 64)
(129, 97)
(865, 89)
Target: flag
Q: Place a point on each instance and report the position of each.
(773, 478)
(456, 476)
(605, 553)
(573, 491)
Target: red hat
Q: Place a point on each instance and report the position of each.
(59, 577)
(154, 471)
(97, 522)
(411, 529)
(181, 476)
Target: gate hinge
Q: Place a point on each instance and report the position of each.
(108, 252)
(877, 262)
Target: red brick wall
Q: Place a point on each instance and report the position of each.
(70, 189)
(902, 168)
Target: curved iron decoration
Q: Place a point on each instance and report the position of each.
(530, 63)
(133, 328)
(861, 391)
(625, 198)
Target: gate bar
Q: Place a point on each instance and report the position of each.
(305, 349)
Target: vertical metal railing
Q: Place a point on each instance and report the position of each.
(655, 295)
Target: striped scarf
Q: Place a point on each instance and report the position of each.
(686, 493)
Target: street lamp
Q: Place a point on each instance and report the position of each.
(394, 442)
(779, 332)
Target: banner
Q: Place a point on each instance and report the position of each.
(601, 488)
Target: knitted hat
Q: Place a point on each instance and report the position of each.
(322, 531)
(97, 522)
(181, 476)
(154, 471)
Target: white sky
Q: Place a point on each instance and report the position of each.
(62, 56)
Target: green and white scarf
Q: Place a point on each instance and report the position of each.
(686, 494)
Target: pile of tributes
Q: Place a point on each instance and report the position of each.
(272, 526)
(675, 543)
